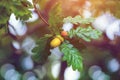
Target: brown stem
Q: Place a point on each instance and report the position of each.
(39, 14)
(62, 70)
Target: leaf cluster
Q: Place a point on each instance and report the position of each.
(19, 7)
(72, 56)
(4, 39)
(55, 19)
(85, 33)
(40, 51)
(78, 20)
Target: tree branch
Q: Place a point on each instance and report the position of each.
(39, 14)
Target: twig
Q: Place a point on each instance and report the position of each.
(40, 14)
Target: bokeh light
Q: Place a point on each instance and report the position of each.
(113, 30)
(94, 68)
(56, 51)
(28, 44)
(40, 71)
(29, 76)
(96, 73)
(33, 18)
(16, 27)
(70, 74)
(5, 68)
(31, 1)
(113, 65)
(27, 63)
(16, 45)
(67, 26)
(8, 72)
(55, 69)
(103, 21)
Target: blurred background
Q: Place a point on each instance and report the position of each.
(101, 57)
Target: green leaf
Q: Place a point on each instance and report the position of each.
(41, 43)
(55, 19)
(72, 56)
(4, 15)
(19, 7)
(85, 33)
(41, 51)
(78, 19)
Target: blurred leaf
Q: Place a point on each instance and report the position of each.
(78, 19)
(42, 3)
(72, 56)
(19, 7)
(42, 49)
(55, 19)
(85, 33)
(2, 32)
(41, 43)
(4, 39)
(4, 15)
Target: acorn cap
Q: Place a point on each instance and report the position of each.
(60, 37)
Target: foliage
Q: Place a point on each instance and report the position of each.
(55, 19)
(85, 33)
(78, 19)
(2, 32)
(41, 43)
(40, 47)
(72, 56)
(19, 7)
(81, 30)
(4, 38)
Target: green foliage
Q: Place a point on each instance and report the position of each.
(18, 7)
(55, 19)
(2, 32)
(78, 19)
(40, 50)
(4, 15)
(72, 56)
(41, 43)
(4, 38)
(85, 33)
